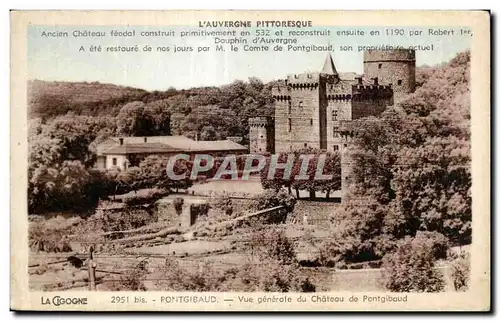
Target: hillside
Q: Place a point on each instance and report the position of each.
(50, 99)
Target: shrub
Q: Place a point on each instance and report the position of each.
(345, 248)
(384, 244)
(437, 241)
(131, 280)
(175, 277)
(271, 198)
(460, 271)
(52, 235)
(411, 268)
(150, 197)
(269, 276)
(274, 245)
(225, 204)
(127, 219)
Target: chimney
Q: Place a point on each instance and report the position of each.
(360, 80)
(196, 136)
(121, 141)
(145, 139)
(375, 81)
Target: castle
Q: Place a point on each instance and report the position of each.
(314, 109)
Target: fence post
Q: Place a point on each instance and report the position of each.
(91, 268)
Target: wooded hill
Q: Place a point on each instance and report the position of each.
(49, 99)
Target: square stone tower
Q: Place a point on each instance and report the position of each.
(301, 109)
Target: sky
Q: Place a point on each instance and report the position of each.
(59, 58)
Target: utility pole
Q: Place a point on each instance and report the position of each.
(91, 267)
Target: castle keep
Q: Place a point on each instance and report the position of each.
(313, 109)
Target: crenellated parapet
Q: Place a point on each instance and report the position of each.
(304, 86)
(261, 121)
(345, 97)
(373, 91)
(389, 55)
(280, 92)
(303, 78)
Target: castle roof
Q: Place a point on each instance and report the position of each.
(329, 66)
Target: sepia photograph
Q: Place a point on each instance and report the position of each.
(240, 155)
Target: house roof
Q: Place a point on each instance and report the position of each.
(216, 145)
(143, 148)
(164, 144)
(169, 140)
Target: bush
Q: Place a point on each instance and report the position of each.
(411, 268)
(437, 241)
(175, 277)
(274, 245)
(345, 248)
(150, 197)
(52, 235)
(131, 280)
(384, 244)
(269, 276)
(126, 220)
(225, 204)
(460, 271)
(271, 198)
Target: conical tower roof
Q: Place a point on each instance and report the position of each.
(329, 66)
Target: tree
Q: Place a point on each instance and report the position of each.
(208, 133)
(312, 180)
(157, 116)
(130, 178)
(316, 181)
(278, 180)
(131, 120)
(74, 134)
(153, 173)
(412, 269)
(414, 160)
(63, 186)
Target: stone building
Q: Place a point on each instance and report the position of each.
(124, 152)
(311, 108)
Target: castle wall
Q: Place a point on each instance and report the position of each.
(365, 108)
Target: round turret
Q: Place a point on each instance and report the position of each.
(396, 67)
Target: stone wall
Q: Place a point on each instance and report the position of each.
(181, 212)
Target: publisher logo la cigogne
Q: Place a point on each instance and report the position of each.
(60, 301)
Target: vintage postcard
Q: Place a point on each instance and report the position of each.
(250, 161)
